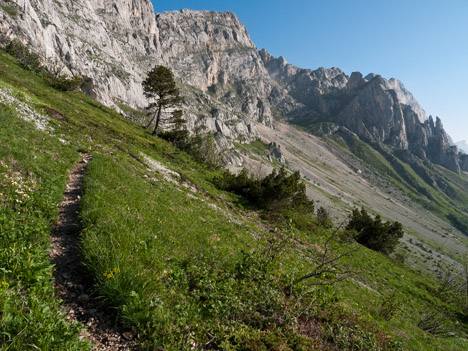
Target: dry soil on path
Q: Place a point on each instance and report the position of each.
(71, 283)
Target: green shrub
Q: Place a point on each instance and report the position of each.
(202, 147)
(323, 218)
(11, 11)
(373, 232)
(62, 82)
(178, 138)
(436, 322)
(389, 307)
(459, 221)
(26, 59)
(275, 192)
(347, 337)
(52, 75)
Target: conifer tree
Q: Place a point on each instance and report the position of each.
(160, 88)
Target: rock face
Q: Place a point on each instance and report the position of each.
(114, 43)
(376, 109)
(274, 152)
(227, 84)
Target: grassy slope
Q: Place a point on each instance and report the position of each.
(171, 265)
(404, 177)
(33, 173)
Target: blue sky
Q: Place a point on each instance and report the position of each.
(423, 43)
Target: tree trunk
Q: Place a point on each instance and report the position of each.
(158, 119)
(151, 121)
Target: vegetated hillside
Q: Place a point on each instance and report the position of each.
(340, 177)
(231, 88)
(178, 262)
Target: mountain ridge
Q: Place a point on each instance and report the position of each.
(234, 82)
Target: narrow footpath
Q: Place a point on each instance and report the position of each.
(71, 283)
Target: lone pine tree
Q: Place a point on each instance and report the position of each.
(160, 88)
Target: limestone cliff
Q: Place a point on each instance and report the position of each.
(227, 84)
(376, 109)
(114, 43)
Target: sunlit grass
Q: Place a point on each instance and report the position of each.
(180, 265)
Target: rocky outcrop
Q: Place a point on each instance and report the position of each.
(464, 162)
(213, 53)
(406, 98)
(227, 84)
(275, 153)
(376, 109)
(114, 43)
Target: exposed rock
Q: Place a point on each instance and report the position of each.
(324, 128)
(274, 152)
(405, 97)
(114, 43)
(227, 84)
(24, 110)
(464, 162)
(376, 109)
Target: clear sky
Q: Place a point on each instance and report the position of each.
(423, 43)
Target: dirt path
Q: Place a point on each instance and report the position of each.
(71, 284)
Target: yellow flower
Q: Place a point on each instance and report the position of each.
(5, 284)
(111, 273)
(108, 275)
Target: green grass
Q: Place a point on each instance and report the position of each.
(258, 147)
(180, 267)
(33, 174)
(135, 115)
(367, 154)
(11, 11)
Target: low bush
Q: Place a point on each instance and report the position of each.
(276, 192)
(373, 232)
(178, 138)
(390, 306)
(26, 59)
(52, 75)
(202, 147)
(204, 150)
(62, 82)
(323, 218)
(437, 322)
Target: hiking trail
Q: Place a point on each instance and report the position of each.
(71, 283)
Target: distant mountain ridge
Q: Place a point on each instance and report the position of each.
(226, 82)
(376, 109)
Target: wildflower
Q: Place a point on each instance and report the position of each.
(111, 273)
(5, 284)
